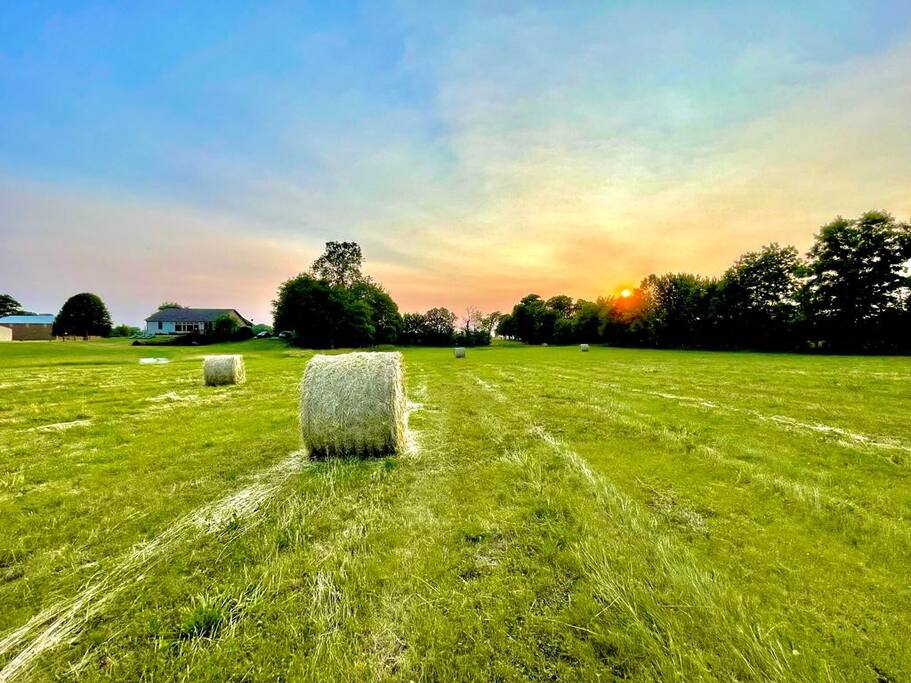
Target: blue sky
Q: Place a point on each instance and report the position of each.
(204, 151)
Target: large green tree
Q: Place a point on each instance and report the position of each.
(534, 320)
(322, 315)
(340, 264)
(759, 303)
(83, 315)
(440, 326)
(586, 321)
(385, 318)
(675, 310)
(857, 292)
(561, 304)
(335, 305)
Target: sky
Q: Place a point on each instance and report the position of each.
(204, 152)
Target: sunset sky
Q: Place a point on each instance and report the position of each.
(205, 151)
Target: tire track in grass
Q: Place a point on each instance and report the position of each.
(851, 438)
(858, 519)
(811, 497)
(63, 619)
(663, 625)
(808, 496)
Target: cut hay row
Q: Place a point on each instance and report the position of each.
(173, 397)
(62, 620)
(664, 568)
(810, 497)
(353, 404)
(491, 389)
(247, 501)
(60, 426)
(848, 437)
(758, 648)
(412, 444)
(223, 370)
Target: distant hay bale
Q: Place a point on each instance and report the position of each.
(460, 352)
(544, 344)
(353, 404)
(583, 347)
(220, 370)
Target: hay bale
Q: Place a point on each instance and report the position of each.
(353, 404)
(219, 370)
(460, 352)
(544, 344)
(583, 347)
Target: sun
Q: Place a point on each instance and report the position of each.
(626, 293)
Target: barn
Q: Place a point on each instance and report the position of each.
(186, 320)
(28, 327)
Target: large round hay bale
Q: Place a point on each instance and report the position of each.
(583, 347)
(219, 370)
(460, 352)
(353, 404)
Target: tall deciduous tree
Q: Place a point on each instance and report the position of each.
(440, 326)
(385, 318)
(677, 310)
(562, 305)
(859, 281)
(759, 303)
(83, 315)
(340, 264)
(335, 305)
(321, 315)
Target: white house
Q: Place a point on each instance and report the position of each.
(185, 320)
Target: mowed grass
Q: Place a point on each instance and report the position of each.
(620, 514)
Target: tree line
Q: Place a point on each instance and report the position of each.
(850, 293)
(335, 305)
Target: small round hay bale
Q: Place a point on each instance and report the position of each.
(353, 404)
(220, 370)
(460, 352)
(583, 347)
(544, 344)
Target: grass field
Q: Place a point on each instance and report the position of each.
(621, 514)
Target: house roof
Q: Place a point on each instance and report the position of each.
(27, 320)
(198, 315)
